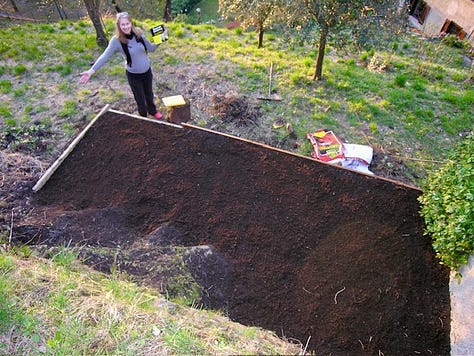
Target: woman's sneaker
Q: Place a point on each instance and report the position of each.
(158, 115)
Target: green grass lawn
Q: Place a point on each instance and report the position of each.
(58, 306)
(417, 107)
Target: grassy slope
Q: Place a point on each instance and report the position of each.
(418, 109)
(60, 307)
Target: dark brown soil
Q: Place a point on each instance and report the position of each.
(314, 252)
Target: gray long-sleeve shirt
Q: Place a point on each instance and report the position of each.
(140, 59)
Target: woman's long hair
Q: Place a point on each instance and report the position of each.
(119, 33)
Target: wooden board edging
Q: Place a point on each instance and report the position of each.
(300, 156)
(49, 172)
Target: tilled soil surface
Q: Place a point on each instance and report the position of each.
(328, 256)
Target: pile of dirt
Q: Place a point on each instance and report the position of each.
(314, 252)
(235, 109)
(390, 166)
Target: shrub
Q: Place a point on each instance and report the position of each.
(418, 86)
(5, 86)
(69, 109)
(454, 41)
(19, 69)
(448, 206)
(401, 80)
(182, 6)
(373, 127)
(5, 111)
(364, 56)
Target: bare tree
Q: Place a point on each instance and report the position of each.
(60, 9)
(117, 8)
(92, 7)
(331, 16)
(251, 13)
(167, 13)
(15, 8)
(380, 23)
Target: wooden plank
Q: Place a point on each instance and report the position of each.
(49, 172)
(185, 125)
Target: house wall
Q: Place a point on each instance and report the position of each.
(459, 11)
(462, 310)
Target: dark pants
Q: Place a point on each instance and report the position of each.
(142, 89)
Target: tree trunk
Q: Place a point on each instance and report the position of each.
(15, 8)
(92, 7)
(60, 9)
(260, 36)
(117, 8)
(321, 48)
(167, 14)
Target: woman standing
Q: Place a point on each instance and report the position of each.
(134, 46)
